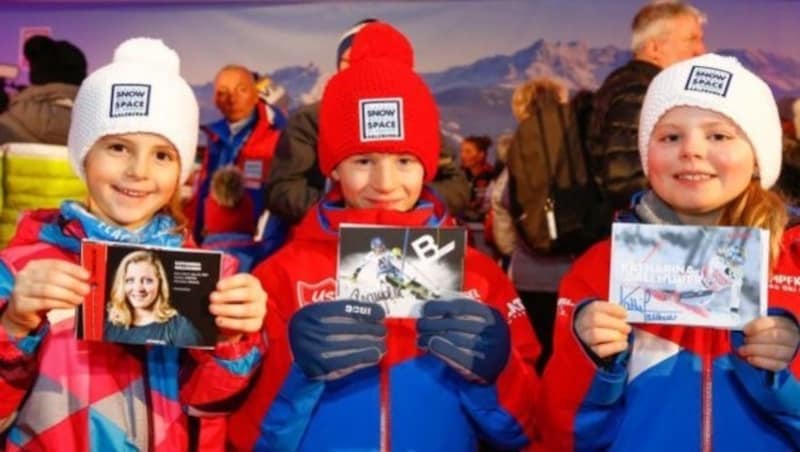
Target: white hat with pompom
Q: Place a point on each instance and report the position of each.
(721, 84)
(140, 91)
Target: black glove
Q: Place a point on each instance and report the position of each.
(331, 339)
(471, 337)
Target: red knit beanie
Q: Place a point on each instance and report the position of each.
(381, 40)
(378, 105)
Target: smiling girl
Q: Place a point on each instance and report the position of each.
(710, 144)
(132, 140)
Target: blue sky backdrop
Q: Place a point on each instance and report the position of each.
(444, 33)
(456, 43)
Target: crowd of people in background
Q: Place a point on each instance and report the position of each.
(533, 359)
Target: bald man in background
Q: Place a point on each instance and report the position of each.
(246, 137)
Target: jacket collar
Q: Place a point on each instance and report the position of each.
(66, 227)
(322, 222)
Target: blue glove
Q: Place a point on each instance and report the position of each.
(332, 339)
(469, 336)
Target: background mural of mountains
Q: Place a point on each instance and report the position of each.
(475, 98)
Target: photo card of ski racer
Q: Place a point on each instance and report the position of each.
(711, 276)
(148, 295)
(400, 267)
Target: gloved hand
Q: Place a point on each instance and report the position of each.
(332, 339)
(471, 337)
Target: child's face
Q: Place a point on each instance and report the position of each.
(380, 181)
(698, 160)
(131, 177)
(141, 285)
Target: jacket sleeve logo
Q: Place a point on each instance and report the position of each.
(307, 293)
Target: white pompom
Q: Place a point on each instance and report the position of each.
(148, 51)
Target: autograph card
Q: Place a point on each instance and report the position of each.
(400, 268)
(709, 276)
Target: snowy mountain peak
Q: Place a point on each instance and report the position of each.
(474, 98)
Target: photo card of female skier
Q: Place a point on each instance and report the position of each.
(712, 276)
(148, 295)
(400, 268)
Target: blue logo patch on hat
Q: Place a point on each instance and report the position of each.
(381, 119)
(709, 80)
(129, 99)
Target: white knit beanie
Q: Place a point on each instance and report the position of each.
(721, 84)
(140, 91)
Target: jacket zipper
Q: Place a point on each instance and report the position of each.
(706, 410)
(385, 420)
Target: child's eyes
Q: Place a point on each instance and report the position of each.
(363, 161)
(165, 156)
(128, 280)
(718, 136)
(117, 147)
(669, 138)
(711, 136)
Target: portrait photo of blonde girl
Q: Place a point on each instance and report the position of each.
(139, 310)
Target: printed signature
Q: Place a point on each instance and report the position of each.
(635, 299)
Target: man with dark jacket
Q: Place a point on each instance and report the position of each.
(663, 34)
(295, 182)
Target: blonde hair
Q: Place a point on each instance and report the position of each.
(119, 310)
(525, 95)
(796, 117)
(503, 145)
(758, 208)
(653, 20)
(175, 209)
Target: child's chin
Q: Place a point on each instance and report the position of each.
(128, 223)
(383, 205)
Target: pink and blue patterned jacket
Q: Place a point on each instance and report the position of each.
(59, 393)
